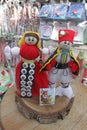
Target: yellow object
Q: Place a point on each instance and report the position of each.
(56, 53)
(28, 61)
(63, 58)
(22, 40)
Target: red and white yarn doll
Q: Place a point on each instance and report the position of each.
(28, 78)
(62, 65)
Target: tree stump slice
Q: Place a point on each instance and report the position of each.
(31, 109)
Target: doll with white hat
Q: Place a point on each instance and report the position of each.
(62, 65)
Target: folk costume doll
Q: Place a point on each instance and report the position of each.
(62, 65)
(28, 79)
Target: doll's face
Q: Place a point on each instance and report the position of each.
(65, 45)
(31, 40)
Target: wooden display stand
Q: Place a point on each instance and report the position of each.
(30, 108)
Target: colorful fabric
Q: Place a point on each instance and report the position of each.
(5, 81)
(63, 58)
(55, 54)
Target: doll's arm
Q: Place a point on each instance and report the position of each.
(50, 65)
(73, 67)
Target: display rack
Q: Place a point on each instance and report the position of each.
(65, 21)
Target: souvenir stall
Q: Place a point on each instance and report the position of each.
(43, 93)
(33, 95)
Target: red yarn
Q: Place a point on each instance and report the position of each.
(40, 79)
(29, 52)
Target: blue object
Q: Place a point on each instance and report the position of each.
(46, 11)
(60, 11)
(76, 12)
(45, 31)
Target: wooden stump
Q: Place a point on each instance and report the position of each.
(31, 109)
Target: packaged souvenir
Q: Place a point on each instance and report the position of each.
(46, 11)
(60, 11)
(45, 31)
(76, 12)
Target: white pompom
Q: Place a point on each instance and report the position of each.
(15, 51)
